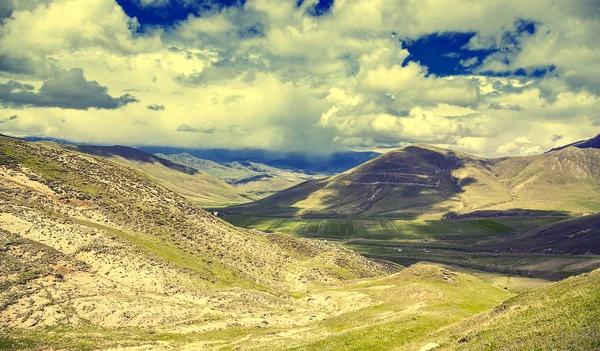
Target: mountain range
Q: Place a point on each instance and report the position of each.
(296, 161)
(197, 186)
(98, 255)
(257, 180)
(421, 181)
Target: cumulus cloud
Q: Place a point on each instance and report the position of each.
(67, 89)
(271, 75)
(520, 146)
(469, 62)
(19, 65)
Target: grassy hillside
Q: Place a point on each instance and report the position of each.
(562, 316)
(255, 179)
(198, 187)
(563, 180)
(577, 236)
(403, 184)
(96, 255)
(432, 297)
(429, 183)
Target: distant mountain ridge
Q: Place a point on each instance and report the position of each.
(291, 160)
(421, 181)
(296, 161)
(197, 186)
(255, 179)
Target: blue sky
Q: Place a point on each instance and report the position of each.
(483, 77)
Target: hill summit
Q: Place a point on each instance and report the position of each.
(593, 143)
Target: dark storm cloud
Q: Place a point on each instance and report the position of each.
(155, 107)
(21, 65)
(68, 90)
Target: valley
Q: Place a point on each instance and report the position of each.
(258, 180)
(101, 254)
(489, 245)
(308, 175)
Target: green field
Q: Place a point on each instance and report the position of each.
(393, 230)
(469, 243)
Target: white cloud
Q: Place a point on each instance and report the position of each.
(520, 146)
(267, 75)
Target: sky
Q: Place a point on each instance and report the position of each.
(491, 78)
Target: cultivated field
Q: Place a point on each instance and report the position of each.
(476, 243)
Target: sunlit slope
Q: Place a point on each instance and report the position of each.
(406, 183)
(85, 240)
(566, 179)
(416, 302)
(561, 316)
(197, 186)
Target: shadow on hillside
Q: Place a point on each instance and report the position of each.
(133, 154)
(396, 183)
(424, 178)
(513, 212)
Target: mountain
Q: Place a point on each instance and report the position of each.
(401, 183)
(427, 182)
(294, 161)
(255, 179)
(197, 186)
(97, 255)
(566, 180)
(333, 163)
(86, 240)
(582, 144)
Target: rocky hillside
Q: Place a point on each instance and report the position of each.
(84, 240)
(196, 186)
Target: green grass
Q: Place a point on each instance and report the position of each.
(428, 302)
(490, 226)
(468, 243)
(204, 268)
(75, 338)
(387, 228)
(562, 316)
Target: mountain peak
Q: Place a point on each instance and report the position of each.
(592, 143)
